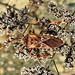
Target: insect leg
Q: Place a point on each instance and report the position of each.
(31, 50)
(21, 48)
(45, 55)
(32, 54)
(38, 53)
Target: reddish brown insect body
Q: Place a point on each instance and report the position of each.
(43, 41)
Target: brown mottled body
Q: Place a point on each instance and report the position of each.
(43, 42)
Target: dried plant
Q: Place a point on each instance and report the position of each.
(51, 40)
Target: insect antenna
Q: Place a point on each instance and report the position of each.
(5, 45)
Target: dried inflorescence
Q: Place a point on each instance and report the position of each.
(11, 21)
(40, 70)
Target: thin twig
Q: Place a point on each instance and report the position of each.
(26, 28)
(56, 67)
(51, 59)
(5, 31)
(6, 4)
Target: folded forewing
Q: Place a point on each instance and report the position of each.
(43, 41)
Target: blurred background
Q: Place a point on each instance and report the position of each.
(10, 64)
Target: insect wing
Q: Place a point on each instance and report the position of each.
(53, 42)
(43, 41)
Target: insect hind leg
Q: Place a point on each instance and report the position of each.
(47, 54)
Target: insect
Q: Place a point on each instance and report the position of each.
(30, 45)
(42, 42)
(38, 42)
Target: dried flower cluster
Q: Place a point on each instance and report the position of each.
(40, 70)
(11, 21)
